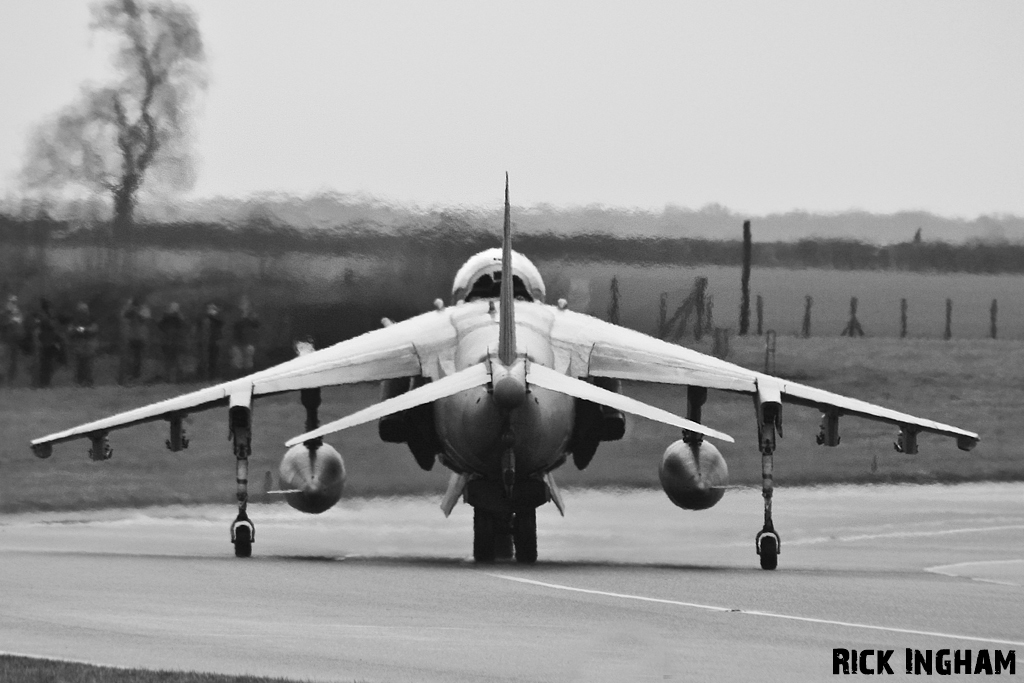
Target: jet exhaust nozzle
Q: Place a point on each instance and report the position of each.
(509, 392)
(508, 384)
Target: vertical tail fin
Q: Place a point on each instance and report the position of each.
(507, 319)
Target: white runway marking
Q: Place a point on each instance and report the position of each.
(757, 613)
(943, 569)
(902, 534)
(995, 581)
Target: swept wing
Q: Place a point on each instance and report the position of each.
(412, 347)
(596, 348)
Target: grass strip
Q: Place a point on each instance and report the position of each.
(38, 670)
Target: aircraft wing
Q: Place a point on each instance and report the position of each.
(595, 348)
(409, 348)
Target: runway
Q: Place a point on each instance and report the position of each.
(628, 587)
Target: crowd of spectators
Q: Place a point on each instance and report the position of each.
(39, 343)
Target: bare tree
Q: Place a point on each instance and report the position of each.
(113, 136)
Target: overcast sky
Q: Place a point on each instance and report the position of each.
(759, 106)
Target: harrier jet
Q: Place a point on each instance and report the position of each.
(502, 388)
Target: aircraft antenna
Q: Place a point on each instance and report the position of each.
(506, 320)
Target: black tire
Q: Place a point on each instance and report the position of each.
(503, 547)
(503, 543)
(526, 536)
(769, 553)
(483, 535)
(243, 541)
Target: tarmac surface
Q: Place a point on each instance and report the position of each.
(628, 587)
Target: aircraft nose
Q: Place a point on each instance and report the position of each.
(509, 393)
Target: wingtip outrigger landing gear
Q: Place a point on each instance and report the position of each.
(243, 531)
(243, 534)
(769, 417)
(767, 541)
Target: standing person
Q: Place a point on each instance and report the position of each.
(12, 334)
(172, 341)
(82, 338)
(213, 330)
(135, 320)
(48, 343)
(245, 331)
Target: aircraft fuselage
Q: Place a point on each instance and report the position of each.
(471, 424)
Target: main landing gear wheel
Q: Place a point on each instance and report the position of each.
(525, 534)
(503, 548)
(483, 535)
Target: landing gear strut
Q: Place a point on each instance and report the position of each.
(243, 531)
(767, 541)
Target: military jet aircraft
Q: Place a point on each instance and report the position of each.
(502, 388)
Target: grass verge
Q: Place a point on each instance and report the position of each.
(33, 670)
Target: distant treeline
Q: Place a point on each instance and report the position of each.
(451, 236)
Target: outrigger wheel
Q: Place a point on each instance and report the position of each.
(767, 542)
(243, 533)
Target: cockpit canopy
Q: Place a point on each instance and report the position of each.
(480, 278)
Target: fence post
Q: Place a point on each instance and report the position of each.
(745, 281)
(663, 316)
(709, 318)
(720, 346)
(853, 328)
(948, 334)
(700, 288)
(613, 308)
(805, 330)
(993, 313)
(769, 352)
(760, 315)
(903, 318)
